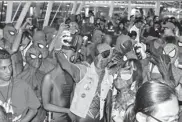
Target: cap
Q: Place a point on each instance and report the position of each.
(103, 47)
(169, 25)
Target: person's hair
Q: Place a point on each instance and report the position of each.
(121, 22)
(4, 54)
(132, 33)
(155, 17)
(150, 94)
(91, 12)
(132, 16)
(170, 39)
(67, 21)
(138, 20)
(173, 18)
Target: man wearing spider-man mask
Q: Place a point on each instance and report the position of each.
(10, 41)
(93, 84)
(56, 95)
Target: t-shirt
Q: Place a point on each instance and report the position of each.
(23, 97)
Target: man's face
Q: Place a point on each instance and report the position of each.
(139, 24)
(132, 18)
(156, 26)
(133, 37)
(5, 69)
(157, 19)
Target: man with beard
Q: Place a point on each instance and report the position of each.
(57, 85)
(92, 85)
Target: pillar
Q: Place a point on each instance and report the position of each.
(157, 8)
(129, 9)
(23, 14)
(9, 11)
(48, 13)
(111, 8)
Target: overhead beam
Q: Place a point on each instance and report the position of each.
(23, 14)
(48, 13)
(80, 7)
(123, 4)
(73, 11)
(55, 14)
(16, 11)
(9, 11)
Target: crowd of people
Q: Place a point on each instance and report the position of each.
(92, 69)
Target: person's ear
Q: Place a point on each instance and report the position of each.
(140, 117)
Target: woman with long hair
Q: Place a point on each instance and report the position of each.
(154, 102)
(127, 82)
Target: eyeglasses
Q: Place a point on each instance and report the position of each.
(174, 120)
(105, 54)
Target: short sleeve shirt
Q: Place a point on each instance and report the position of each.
(23, 97)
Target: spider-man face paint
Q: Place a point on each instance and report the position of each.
(124, 44)
(33, 57)
(40, 43)
(9, 33)
(172, 51)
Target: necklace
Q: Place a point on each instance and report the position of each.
(9, 92)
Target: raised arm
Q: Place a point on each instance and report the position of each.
(31, 113)
(18, 38)
(72, 69)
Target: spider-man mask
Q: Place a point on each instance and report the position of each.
(39, 42)
(9, 33)
(34, 57)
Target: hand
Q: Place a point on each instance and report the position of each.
(17, 119)
(72, 116)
